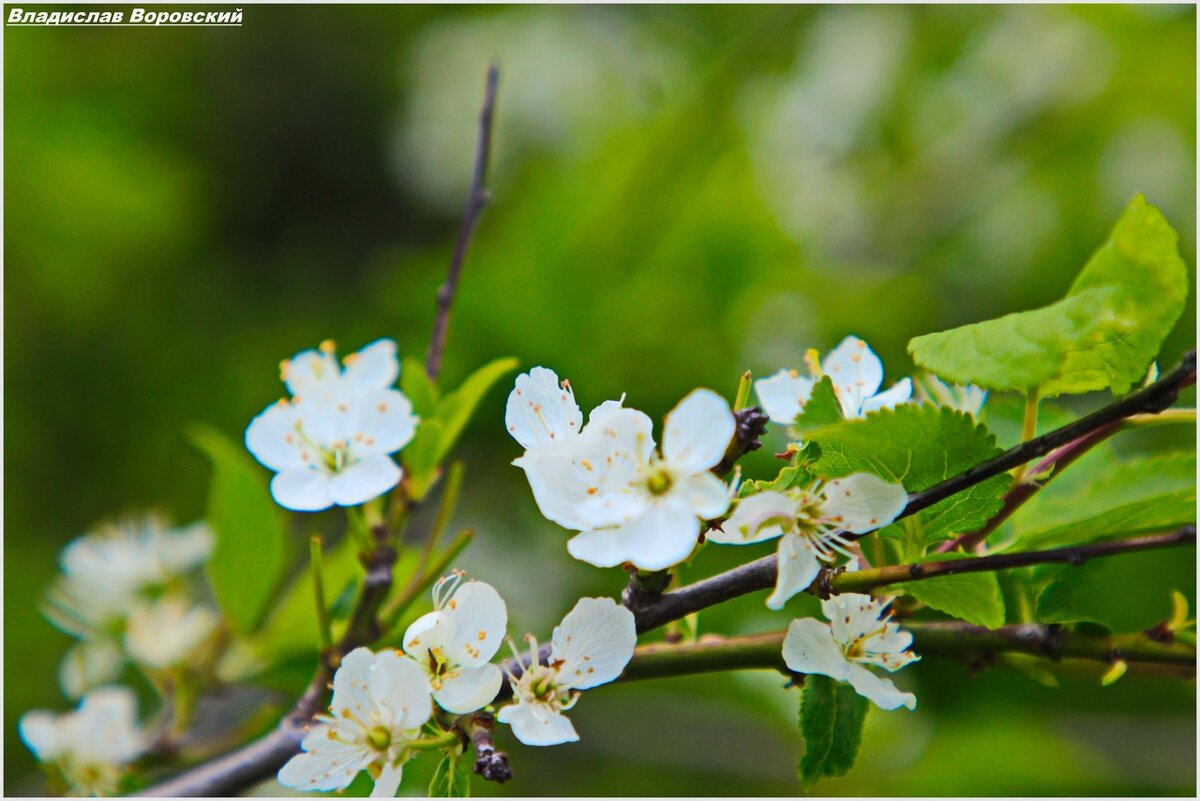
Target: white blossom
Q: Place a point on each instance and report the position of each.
(331, 442)
(106, 574)
(607, 481)
(167, 632)
(967, 399)
(90, 746)
(455, 643)
(860, 633)
(856, 373)
(811, 521)
(380, 701)
(591, 646)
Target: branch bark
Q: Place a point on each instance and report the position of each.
(477, 201)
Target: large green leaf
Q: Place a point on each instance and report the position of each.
(821, 408)
(973, 597)
(1102, 335)
(1134, 496)
(419, 388)
(456, 408)
(451, 778)
(917, 446)
(831, 720)
(249, 527)
(1066, 598)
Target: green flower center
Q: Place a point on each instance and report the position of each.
(659, 482)
(379, 738)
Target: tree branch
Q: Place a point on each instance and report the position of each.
(477, 200)
(652, 612)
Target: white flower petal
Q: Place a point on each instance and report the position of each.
(797, 567)
(367, 478)
(697, 432)
(89, 664)
(379, 421)
(757, 518)
(107, 726)
(373, 367)
(536, 725)
(664, 535)
(898, 393)
(880, 691)
(186, 548)
(166, 632)
(272, 438)
(332, 767)
(350, 682)
(40, 731)
(863, 502)
(310, 371)
(853, 615)
(585, 484)
(595, 642)
(856, 373)
(809, 648)
(302, 490)
(431, 630)
(469, 689)
(388, 782)
(705, 494)
(542, 409)
(479, 617)
(400, 685)
(783, 395)
(598, 415)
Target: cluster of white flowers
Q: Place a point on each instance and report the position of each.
(331, 442)
(607, 481)
(87, 749)
(382, 700)
(123, 592)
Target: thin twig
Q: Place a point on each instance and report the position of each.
(476, 202)
(650, 613)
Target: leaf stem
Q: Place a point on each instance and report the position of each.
(1028, 428)
(324, 628)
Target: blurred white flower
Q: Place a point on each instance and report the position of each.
(331, 443)
(380, 701)
(859, 633)
(591, 646)
(608, 482)
(856, 373)
(454, 643)
(811, 522)
(967, 399)
(167, 632)
(90, 746)
(107, 573)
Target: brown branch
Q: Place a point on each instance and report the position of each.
(491, 764)
(477, 200)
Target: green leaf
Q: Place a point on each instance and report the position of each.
(1103, 334)
(822, 408)
(973, 597)
(451, 778)
(831, 720)
(455, 410)
(794, 474)
(1129, 497)
(917, 446)
(1065, 599)
(419, 388)
(420, 458)
(249, 527)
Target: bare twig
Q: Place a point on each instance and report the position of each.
(476, 202)
(491, 764)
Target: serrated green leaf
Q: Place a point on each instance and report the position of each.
(419, 388)
(793, 475)
(821, 408)
(973, 597)
(831, 721)
(917, 446)
(1112, 498)
(451, 778)
(249, 529)
(1102, 335)
(455, 410)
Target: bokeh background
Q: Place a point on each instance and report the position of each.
(680, 193)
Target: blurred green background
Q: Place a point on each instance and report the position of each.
(680, 193)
